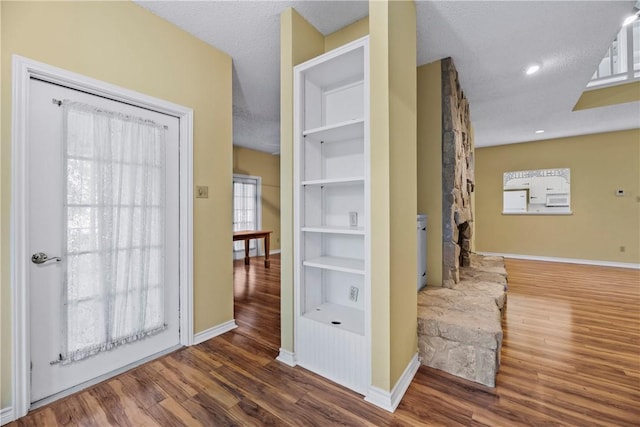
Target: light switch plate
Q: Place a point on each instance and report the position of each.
(202, 192)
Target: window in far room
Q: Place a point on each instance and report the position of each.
(246, 210)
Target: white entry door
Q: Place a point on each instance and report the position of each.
(70, 313)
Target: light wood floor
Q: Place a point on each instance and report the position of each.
(571, 356)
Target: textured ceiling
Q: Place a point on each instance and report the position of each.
(249, 31)
(491, 43)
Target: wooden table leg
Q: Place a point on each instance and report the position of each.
(246, 251)
(267, 263)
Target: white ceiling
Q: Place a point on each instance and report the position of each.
(491, 43)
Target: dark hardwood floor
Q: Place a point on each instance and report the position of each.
(571, 356)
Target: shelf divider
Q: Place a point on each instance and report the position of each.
(335, 181)
(345, 265)
(350, 129)
(350, 319)
(359, 231)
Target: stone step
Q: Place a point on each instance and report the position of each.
(460, 328)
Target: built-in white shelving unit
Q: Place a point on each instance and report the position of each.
(331, 215)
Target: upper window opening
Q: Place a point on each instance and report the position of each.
(621, 63)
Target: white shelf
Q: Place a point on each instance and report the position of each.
(351, 129)
(332, 180)
(351, 319)
(359, 231)
(346, 265)
(335, 68)
(335, 181)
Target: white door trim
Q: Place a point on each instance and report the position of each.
(23, 69)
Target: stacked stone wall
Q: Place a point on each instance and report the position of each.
(458, 179)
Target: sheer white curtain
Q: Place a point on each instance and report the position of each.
(114, 217)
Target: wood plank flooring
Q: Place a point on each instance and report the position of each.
(571, 356)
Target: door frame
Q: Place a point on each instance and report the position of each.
(23, 69)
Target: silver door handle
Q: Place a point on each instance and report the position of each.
(41, 258)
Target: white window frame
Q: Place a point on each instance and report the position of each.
(24, 70)
(626, 47)
(259, 250)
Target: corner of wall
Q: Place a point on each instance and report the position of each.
(347, 34)
(429, 163)
(299, 41)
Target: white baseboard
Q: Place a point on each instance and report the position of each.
(274, 251)
(565, 260)
(6, 416)
(287, 357)
(389, 400)
(214, 332)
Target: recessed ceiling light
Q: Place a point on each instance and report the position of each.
(531, 69)
(540, 131)
(630, 19)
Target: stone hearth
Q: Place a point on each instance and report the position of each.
(457, 176)
(460, 328)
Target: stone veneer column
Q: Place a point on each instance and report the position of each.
(457, 175)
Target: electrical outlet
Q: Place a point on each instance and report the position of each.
(353, 293)
(622, 248)
(202, 192)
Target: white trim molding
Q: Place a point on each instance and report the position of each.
(101, 378)
(23, 70)
(287, 357)
(6, 415)
(213, 332)
(635, 266)
(274, 251)
(389, 400)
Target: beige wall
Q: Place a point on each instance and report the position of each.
(347, 34)
(393, 115)
(380, 195)
(121, 43)
(299, 41)
(266, 166)
(620, 94)
(403, 184)
(430, 164)
(392, 34)
(601, 222)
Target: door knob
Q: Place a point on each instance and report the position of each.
(41, 258)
